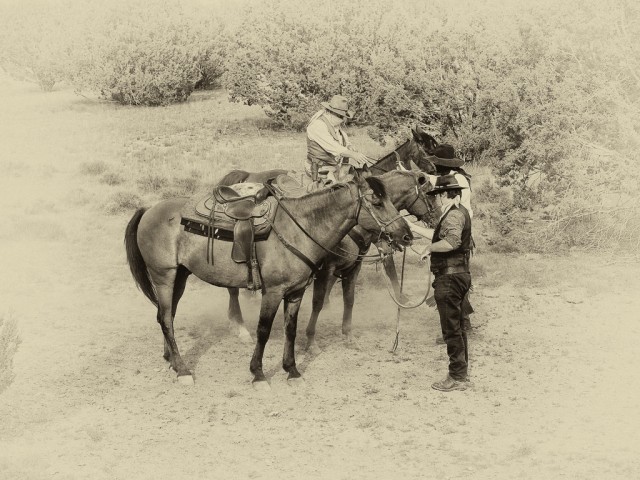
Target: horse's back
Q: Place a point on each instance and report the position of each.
(240, 176)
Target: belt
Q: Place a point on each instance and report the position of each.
(450, 270)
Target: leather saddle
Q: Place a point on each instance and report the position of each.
(239, 213)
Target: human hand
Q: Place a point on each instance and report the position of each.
(359, 158)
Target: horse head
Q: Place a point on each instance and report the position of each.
(427, 144)
(378, 214)
(407, 191)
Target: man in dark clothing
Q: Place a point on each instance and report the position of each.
(450, 249)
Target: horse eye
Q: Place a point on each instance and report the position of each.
(376, 199)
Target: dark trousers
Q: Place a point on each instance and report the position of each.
(449, 293)
(467, 310)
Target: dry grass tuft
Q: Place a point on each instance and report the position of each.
(153, 182)
(95, 168)
(123, 202)
(111, 178)
(9, 341)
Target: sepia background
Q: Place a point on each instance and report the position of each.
(106, 107)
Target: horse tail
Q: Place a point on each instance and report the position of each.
(233, 177)
(134, 258)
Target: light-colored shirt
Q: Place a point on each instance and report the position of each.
(465, 195)
(318, 132)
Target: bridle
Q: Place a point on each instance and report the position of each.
(361, 203)
(420, 195)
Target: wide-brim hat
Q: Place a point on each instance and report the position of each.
(445, 183)
(445, 155)
(338, 105)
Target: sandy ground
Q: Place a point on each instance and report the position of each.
(553, 360)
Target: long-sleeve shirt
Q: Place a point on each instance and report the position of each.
(318, 131)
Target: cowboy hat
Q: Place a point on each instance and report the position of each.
(338, 105)
(445, 183)
(444, 155)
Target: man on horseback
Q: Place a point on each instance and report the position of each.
(450, 250)
(328, 145)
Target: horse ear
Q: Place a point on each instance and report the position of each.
(377, 186)
(365, 172)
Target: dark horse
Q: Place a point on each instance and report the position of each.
(406, 192)
(161, 255)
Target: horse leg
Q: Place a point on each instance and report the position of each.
(236, 322)
(291, 308)
(320, 293)
(268, 309)
(179, 285)
(348, 297)
(331, 281)
(165, 286)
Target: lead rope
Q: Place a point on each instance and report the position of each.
(400, 305)
(395, 342)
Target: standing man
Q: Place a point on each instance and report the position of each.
(450, 250)
(328, 144)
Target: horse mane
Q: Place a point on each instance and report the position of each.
(391, 153)
(233, 177)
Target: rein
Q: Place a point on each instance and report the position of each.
(394, 152)
(401, 306)
(390, 287)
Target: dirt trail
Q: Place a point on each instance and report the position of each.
(553, 360)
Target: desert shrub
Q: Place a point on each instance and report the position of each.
(33, 43)
(122, 202)
(146, 53)
(9, 341)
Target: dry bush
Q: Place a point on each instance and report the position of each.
(9, 341)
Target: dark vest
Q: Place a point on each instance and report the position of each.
(459, 256)
(315, 153)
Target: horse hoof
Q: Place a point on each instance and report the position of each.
(351, 342)
(313, 349)
(185, 380)
(296, 382)
(245, 336)
(261, 386)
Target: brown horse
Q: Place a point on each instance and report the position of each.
(405, 191)
(161, 255)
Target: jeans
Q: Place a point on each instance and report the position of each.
(449, 293)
